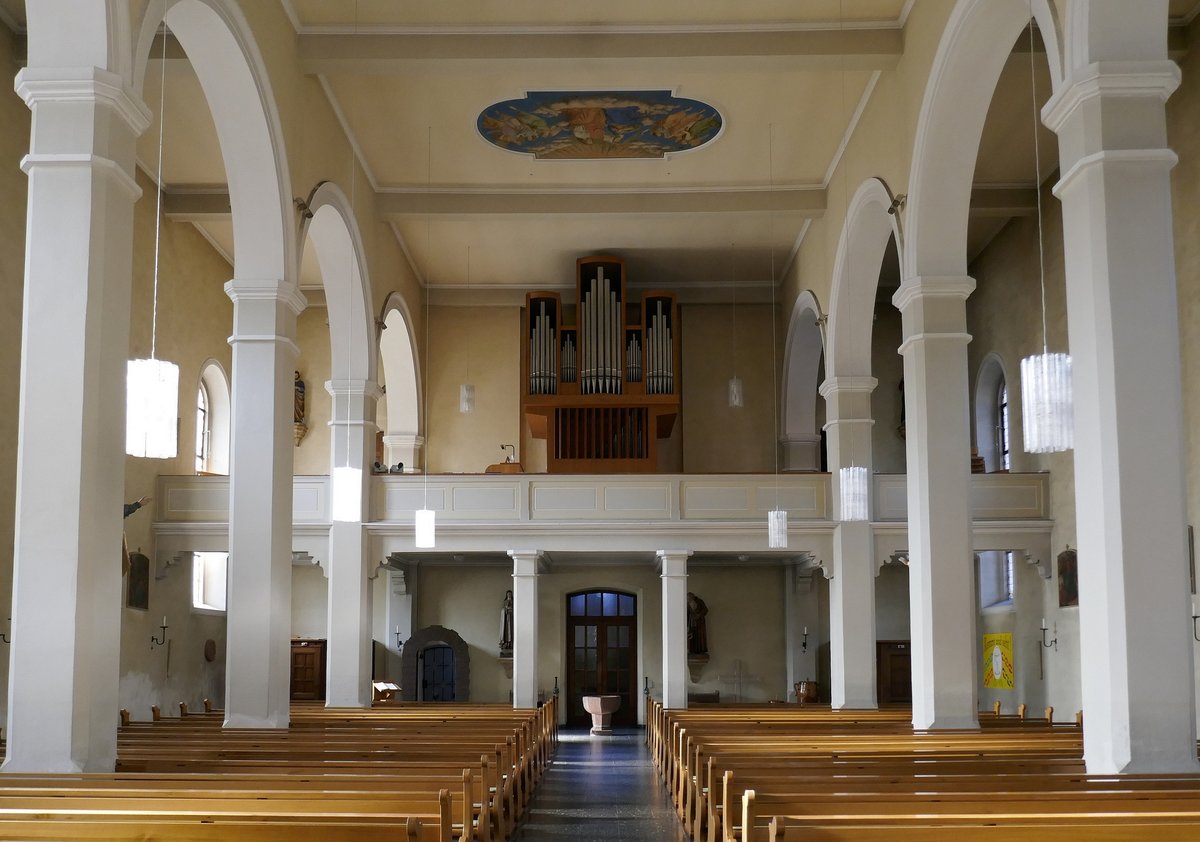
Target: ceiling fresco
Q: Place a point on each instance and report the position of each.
(599, 124)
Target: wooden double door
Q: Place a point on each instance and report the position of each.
(602, 653)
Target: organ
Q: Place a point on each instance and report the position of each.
(600, 375)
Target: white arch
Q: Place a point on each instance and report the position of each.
(398, 353)
(802, 354)
(337, 241)
(975, 45)
(861, 248)
(992, 372)
(216, 385)
(233, 76)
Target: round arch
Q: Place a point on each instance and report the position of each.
(398, 356)
(870, 224)
(435, 636)
(974, 47)
(215, 383)
(992, 374)
(802, 354)
(231, 71)
(337, 242)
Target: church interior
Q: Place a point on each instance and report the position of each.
(685, 355)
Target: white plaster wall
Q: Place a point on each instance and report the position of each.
(746, 629)
(310, 602)
(891, 603)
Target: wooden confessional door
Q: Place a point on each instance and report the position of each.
(437, 674)
(602, 653)
(308, 670)
(894, 664)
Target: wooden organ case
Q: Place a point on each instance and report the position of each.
(600, 379)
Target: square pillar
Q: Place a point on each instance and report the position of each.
(1130, 461)
(941, 559)
(852, 651)
(259, 612)
(673, 569)
(352, 438)
(526, 568)
(64, 663)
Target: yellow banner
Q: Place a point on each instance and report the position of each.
(998, 661)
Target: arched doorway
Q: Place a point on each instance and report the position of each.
(602, 653)
(435, 666)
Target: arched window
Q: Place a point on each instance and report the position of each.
(1002, 452)
(212, 420)
(203, 430)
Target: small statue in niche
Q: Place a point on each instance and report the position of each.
(298, 413)
(697, 626)
(506, 624)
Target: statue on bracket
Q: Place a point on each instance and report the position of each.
(697, 626)
(506, 625)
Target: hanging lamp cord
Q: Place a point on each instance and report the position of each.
(162, 119)
(1037, 188)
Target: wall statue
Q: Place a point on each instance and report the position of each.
(697, 626)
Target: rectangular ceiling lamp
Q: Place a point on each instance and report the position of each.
(151, 409)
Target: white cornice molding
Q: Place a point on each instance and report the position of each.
(929, 286)
(1110, 79)
(107, 166)
(37, 85)
(244, 289)
(1165, 158)
(848, 384)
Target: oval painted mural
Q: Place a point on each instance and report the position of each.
(599, 124)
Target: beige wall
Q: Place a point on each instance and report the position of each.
(887, 366)
(717, 343)
(479, 345)
(310, 601)
(745, 630)
(312, 336)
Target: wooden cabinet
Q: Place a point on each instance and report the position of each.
(308, 670)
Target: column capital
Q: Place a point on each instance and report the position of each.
(919, 288)
(353, 388)
(672, 563)
(1157, 79)
(853, 383)
(269, 289)
(403, 440)
(528, 562)
(73, 85)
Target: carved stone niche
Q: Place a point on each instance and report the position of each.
(435, 636)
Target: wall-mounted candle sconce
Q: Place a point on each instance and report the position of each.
(399, 642)
(646, 685)
(556, 686)
(1049, 643)
(5, 637)
(154, 638)
(1195, 631)
(804, 643)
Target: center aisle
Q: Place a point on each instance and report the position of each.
(600, 789)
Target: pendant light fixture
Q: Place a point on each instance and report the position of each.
(466, 391)
(854, 481)
(152, 385)
(777, 523)
(736, 395)
(424, 518)
(1047, 401)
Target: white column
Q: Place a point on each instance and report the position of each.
(405, 448)
(259, 612)
(673, 566)
(941, 569)
(352, 442)
(801, 453)
(66, 603)
(526, 567)
(1137, 674)
(852, 669)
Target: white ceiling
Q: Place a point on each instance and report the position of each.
(409, 80)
